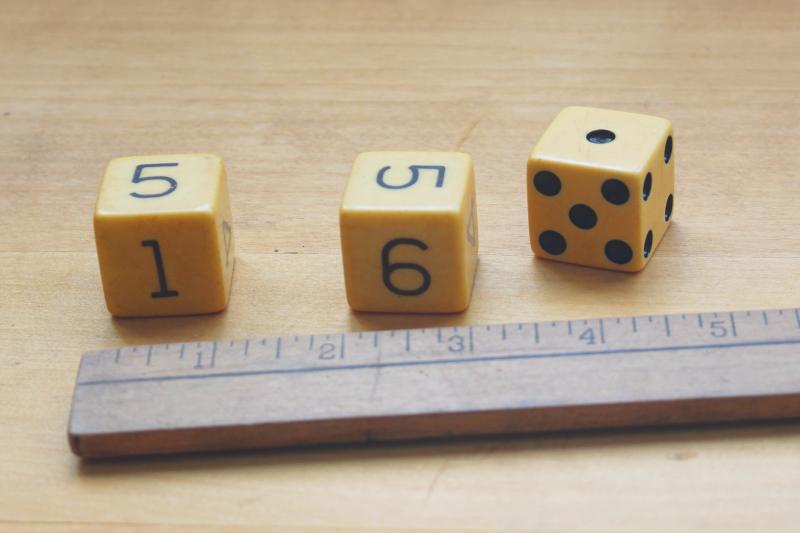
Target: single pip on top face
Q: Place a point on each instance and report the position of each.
(601, 188)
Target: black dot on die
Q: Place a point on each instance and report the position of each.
(648, 186)
(583, 216)
(547, 183)
(552, 242)
(618, 252)
(668, 150)
(668, 208)
(648, 244)
(615, 191)
(600, 136)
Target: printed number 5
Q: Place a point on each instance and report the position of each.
(138, 178)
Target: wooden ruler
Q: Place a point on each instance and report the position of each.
(437, 382)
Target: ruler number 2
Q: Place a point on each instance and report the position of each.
(327, 351)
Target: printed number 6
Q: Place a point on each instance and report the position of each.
(137, 178)
(389, 268)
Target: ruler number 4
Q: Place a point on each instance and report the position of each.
(587, 336)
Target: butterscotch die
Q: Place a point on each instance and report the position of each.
(409, 232)
(601, 188)
(163, 231)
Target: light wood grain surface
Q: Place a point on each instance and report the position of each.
(289, 93)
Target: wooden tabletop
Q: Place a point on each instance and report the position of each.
(289, 93)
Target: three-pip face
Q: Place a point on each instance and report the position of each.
(601, 188)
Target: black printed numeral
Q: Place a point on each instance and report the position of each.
(414, 176)
(163, 290)
(138, 178)
(389, 268)
(471, 223)
(226, 239)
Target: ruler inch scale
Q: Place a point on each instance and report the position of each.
(438, 382)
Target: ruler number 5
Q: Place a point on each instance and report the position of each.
(717, 329)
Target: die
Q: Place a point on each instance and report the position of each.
(164, 237)
(601, 188)
(409, 232)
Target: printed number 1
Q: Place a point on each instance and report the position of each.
(163, 290)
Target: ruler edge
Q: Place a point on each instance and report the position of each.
(75, 439)
(759, 408)
(101, 351)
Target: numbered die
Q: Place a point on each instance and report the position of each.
(409, 232)
(601, 187)
(163, 231)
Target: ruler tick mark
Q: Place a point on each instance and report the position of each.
(569, 327)
(183, 349)
(408, 340)
(797, 317)
(700, 321)
(602, 332)
(149, 356)
(666, 326)
(780, 312)
(117, 356)
(278, 348)
(503, 332)
(650, 319)
(213, 355)
(536, 332)
(439, 361)
(471, 341)
(764, 316)
(439, 334)
(633, 325)
(246, 347)
(733, 325)
(619, 320)
(341, 346)
(375, 339)
(519, 326)
(311, 342)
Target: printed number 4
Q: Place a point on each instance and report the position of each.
(138, 178)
